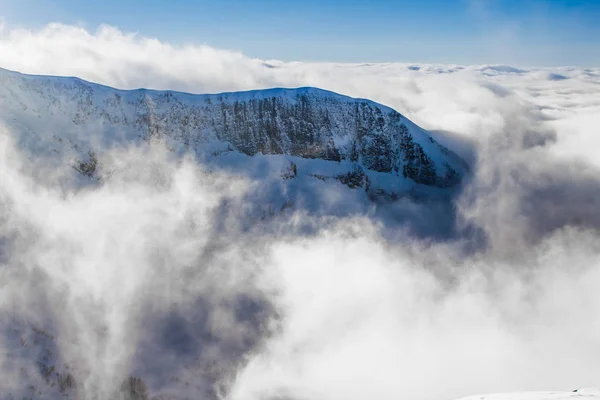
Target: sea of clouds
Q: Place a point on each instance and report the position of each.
(151, 273)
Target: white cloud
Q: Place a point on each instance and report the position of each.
(368, 322)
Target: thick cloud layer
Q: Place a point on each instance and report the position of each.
(151, 272)
(95, 267)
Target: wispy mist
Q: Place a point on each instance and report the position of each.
(131, 275)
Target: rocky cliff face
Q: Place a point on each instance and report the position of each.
(314, 141)
(305, 122)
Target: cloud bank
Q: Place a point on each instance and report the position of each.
(151, 274)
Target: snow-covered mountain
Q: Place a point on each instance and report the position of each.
(307, 146)
(365, 138)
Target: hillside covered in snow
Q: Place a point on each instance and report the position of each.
(308, 150)
(63, 114)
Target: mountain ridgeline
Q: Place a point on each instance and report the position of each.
(309, 150)
(307, 122)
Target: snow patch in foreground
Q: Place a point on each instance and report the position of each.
(579, 394)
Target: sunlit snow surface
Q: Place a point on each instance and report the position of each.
(52, 110)
(581, 394)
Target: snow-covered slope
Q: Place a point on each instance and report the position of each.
(308, 123)
(578, 394)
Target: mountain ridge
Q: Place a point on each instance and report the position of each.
(306, 122)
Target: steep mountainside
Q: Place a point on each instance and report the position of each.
(307, 122)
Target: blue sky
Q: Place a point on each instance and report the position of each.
(523, 32)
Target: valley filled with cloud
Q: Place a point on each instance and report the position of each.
(164, 268)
